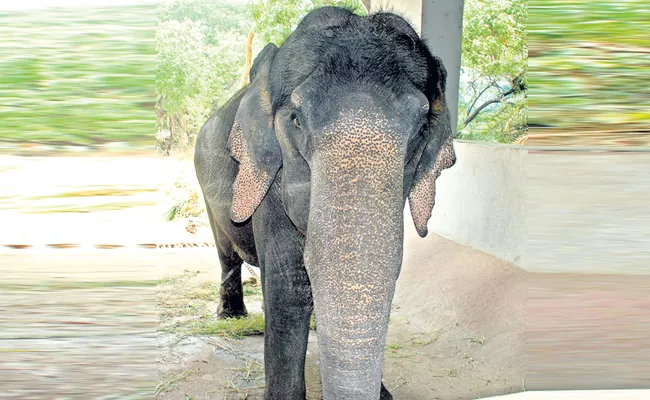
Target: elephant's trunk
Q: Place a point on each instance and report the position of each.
(353, 256)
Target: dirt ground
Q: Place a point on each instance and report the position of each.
(458, 336)
(464, 325)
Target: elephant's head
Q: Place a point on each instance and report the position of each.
(350, 114)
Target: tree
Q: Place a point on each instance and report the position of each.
(200, 55)
(494, 75)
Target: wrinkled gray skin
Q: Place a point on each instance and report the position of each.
(305, 174)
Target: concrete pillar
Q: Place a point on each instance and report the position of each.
(441, 23)
(442, 26)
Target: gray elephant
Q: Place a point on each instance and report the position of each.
(305, 173)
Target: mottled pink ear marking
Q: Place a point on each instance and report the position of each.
(423, 193)
(236, 141)
(251, 184)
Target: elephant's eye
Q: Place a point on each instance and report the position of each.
(422, 131)
(295, 119)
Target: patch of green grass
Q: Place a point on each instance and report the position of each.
(208, 291)
(409, 347)
(394, 350)
(187, 274)
(394, 347)
(235, 328)
(423, 339)
(252, 289)
(477, 340)
(251, 371)
(312, 322)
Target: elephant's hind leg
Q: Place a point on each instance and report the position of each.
(231, 302)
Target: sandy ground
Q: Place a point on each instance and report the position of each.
(437, 347)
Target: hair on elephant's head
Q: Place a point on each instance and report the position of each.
(351, 110)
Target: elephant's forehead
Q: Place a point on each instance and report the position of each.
(359, 139)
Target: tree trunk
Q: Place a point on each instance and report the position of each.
(249, 59)
(366, 5)
(487, 103)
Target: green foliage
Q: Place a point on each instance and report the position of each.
(77, 75)
(201, 47)
(494, 38)
(234, 328)
(494, 61)
(252, 288)
(504, 125)
(200, 55)
(216, 18)
(274, 20)
(182, 200)
(590, 64)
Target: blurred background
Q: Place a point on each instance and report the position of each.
(588, 62)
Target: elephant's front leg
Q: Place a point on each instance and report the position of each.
(385, 394)
(288, 308)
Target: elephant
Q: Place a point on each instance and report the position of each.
(305, 173)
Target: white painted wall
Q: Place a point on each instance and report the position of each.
(481, 201)
(548, 211)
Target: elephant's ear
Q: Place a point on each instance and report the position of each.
(252, 141)
(438, 154)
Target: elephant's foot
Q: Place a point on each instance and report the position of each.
(385, 394)
(231, 312)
